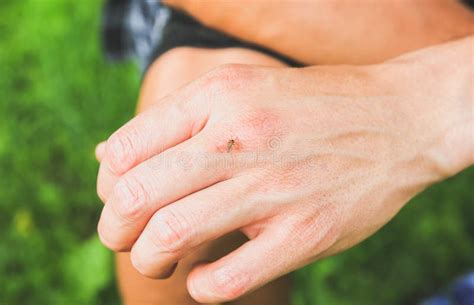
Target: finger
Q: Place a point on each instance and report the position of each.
(252, 265)
(153, 184)
(178, 228)
(106, 180)
(167, 123)
(100, 151)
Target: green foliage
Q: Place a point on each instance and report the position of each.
(87, 270)
(59, 98)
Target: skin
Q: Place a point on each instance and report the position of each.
(169, 72)
(325, 156)
(336, 31)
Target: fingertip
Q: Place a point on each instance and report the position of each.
(100, 151)
(109, 233)
(105, 182)
(208, 283)
(195, 284)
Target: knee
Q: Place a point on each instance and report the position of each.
(168, 72)
(181, 65)
(193, 60)
(181, 62)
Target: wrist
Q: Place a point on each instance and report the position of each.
(440, 110)
(453, 82)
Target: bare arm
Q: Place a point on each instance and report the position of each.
(336, 31)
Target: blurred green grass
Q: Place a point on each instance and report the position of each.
(59, 98)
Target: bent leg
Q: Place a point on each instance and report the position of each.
(171, 71)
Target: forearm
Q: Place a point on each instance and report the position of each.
(334, 32)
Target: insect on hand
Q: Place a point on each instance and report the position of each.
(231, 143)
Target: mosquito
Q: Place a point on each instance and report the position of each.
(230, 144)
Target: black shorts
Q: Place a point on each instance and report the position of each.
(145, 30)
(183, 30)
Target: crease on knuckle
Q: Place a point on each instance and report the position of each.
(227, 78)
(131, 198)
(170, 232)
(122, 150)
(318, 233)
(229, 285)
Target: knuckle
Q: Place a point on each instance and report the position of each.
(298, 229)
(170, 232)
(232, 71)
(130, 198)
(227, 78)
(121, 150)
(228, 285)
(318, 235)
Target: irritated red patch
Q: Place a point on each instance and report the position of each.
(250, 132)
(262, 124)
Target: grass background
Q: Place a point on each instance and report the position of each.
(58, 98)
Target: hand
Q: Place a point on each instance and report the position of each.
(306, 162)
